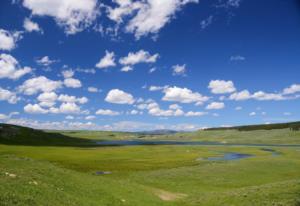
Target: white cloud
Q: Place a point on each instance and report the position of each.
(179, 70)
(195, 114)
(237, 58)
(252, 113)
(10, 68)
(215, 105)
(47, 99)
(292, 89)
(183, 95)
(138, 57)
(126, 69)
(31, 26)
(287, 113)
(3, 117)
(260, 95)
(107, 112)
(87, 71)
(69, 117)
(69, 108)
(175, 106)
(93, 89)
(45, 61)
(107, 61)
(72, 99)
(221, 86)
(117, 96)
(72, 83)
(153, 69)
(234, 3)
(34, 109)
(68, 73)
(73, 16)
(157, 88)
(239, 96)
(156, 111)
(125, 7)
(133, 112)
(152, 15)
(39, 84)
(6, 95)
(238, 108)
(90, 117)
(8, 39)
(206, 22)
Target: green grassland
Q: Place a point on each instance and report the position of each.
(65, 174)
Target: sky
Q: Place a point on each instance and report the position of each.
(128, 65)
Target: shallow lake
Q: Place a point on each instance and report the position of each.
(229, 156)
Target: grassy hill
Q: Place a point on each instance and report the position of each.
(290, 125)
(18, 135)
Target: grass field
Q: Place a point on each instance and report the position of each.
(152, 175)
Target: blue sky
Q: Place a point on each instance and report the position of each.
(143, 65)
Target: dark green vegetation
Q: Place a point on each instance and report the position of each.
(295, 126)
(17, 135)
(53, 174)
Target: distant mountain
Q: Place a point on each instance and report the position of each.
(158, 132)
(291, 125)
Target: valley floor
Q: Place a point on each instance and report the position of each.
(148, 175)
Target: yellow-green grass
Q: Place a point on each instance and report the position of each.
(148, 175)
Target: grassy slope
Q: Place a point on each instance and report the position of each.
(17, 135)
(276, 136)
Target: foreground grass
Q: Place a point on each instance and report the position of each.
(147, 175)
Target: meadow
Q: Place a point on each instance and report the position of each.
(79, 172)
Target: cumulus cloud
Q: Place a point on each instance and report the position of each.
(107, 112)
(126, 69)
(10, 97)
(67, 108)
(221, 86)
(8, 39)
(238, 96)
(292, 89)
(179, 70)
(117, 96)
(73, 16)
(31, 26)
(47, 99)
(260, 95)
(72, 99)
(10, 68)
(157, 88)
(68, 73)
(39, 84)
(183, 95)
(34, 109)
(107, 61)
(138, 57)
(150, 16)
(237, 58)
(215, 105)
(93, 89)
(195, 114)
(72, 83)
(45, 61)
